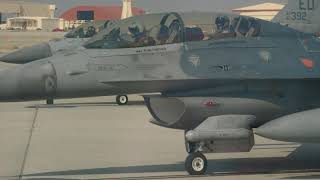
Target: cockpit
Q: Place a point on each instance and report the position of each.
(89, 29)
(148, 30)
(235, 27)
(170, 28)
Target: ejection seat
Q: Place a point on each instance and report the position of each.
(193, 34)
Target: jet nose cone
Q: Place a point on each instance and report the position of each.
(32, 81)
(28, 54)
(8, 84)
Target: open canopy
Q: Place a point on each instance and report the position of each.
(169, 28)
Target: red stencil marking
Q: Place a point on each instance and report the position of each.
(308, 63)
(209, 103)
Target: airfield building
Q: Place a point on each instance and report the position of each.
(23, 15)
(80, 14)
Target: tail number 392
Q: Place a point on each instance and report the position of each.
(296, 16)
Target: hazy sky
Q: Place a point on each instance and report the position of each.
(164, 5)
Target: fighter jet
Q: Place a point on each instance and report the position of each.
(289, 16)
(220, 76)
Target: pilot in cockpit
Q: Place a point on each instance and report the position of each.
(136, 31)
(159, 35)
(223, 28)
(223, 24)
(90, 32)
(137, 35)
(80, 33)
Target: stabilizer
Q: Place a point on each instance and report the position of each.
(302, 15)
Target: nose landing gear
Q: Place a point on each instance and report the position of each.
(50, 101)
(122, 100)
(196, 164)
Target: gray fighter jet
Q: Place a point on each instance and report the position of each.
(290, 16)
(220, 75)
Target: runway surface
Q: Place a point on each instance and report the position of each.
(4, 66)
(13, 40)
(94, 138)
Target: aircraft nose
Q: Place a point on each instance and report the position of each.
(28, 54)
(8, 85)
(30, 81)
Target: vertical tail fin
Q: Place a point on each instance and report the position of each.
(302, 15)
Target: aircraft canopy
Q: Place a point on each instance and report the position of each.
(170, 28)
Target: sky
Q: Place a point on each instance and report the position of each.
(163, 5)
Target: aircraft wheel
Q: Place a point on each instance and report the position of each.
(196, 164)
(122, 100)
(50, 101)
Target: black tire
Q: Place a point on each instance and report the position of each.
(50, 101)
(196, 164)
(122, 100)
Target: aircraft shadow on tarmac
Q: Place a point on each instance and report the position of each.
(88, 104)
(304, 177)
(305, 159)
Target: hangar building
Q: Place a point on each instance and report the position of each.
(9, 8)
(28, 15)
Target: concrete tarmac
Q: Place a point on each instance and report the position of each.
(4, 66)
(13, 40)
(93, 138)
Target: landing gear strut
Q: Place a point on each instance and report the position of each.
(122, 100)
(196, 164)
(50, 101)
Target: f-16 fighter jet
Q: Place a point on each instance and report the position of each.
(290, 16)
(220, 76)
